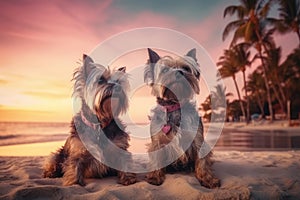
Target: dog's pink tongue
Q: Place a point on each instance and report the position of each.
(166, 129)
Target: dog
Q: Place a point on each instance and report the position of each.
(176, 127)
(103, 96)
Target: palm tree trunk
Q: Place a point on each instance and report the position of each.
(281, 94)
(239, 96)
(265, 74)
(267, 87)
(278, 98)
(247, 99)
(227, 110)
(298, 34)
(260, 105)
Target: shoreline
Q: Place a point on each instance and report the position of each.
(264, 125)
(45, 146)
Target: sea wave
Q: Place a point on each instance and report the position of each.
(34, 138)
(12, 133)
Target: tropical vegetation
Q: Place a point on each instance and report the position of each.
(271, 87)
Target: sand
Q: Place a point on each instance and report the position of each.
(244, 175)
(31, 149)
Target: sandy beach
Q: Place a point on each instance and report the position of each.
(244, 175)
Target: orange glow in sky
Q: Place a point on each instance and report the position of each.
(41, 41)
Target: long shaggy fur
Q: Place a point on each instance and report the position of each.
(94, 86)
(175, 81)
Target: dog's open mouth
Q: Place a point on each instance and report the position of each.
(173, 90)
(110, 104)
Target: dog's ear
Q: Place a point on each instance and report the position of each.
(122, 69)
(148, 74)
(149, 70)
(153, 56)
(192, 54)
(87, 65)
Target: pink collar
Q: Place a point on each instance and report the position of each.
(171, 108)
(88, 123)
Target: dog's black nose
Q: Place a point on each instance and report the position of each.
(178, 74)
(117, 88)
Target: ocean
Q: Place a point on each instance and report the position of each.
(46, 137)
(14, 134)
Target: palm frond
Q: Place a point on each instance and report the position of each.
(249, 5)
(289, 10)
(268, 39)
(260, 4)
(249, 32)
(231, 10)
(238, 34)
(278, 24)
(256, 56)
(229, 94)
(264, 8)
(231, 27)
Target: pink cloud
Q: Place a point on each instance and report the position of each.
(46, 38)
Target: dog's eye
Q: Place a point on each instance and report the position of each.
(187, 69)
(165, 70)
(101, 80)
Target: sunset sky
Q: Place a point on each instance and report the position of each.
(42, 41)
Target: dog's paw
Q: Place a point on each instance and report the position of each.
(155, 179)
(48, 174)
(212, 183)
(127, 178)
(81, 183)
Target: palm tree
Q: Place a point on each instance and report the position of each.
(256, 87)
(206, 107)
(290, 69)
(229, 67)
(289, 17)
(234, 109)
(251, 27)
(219, 98)
(243, 56)
(275, 76)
